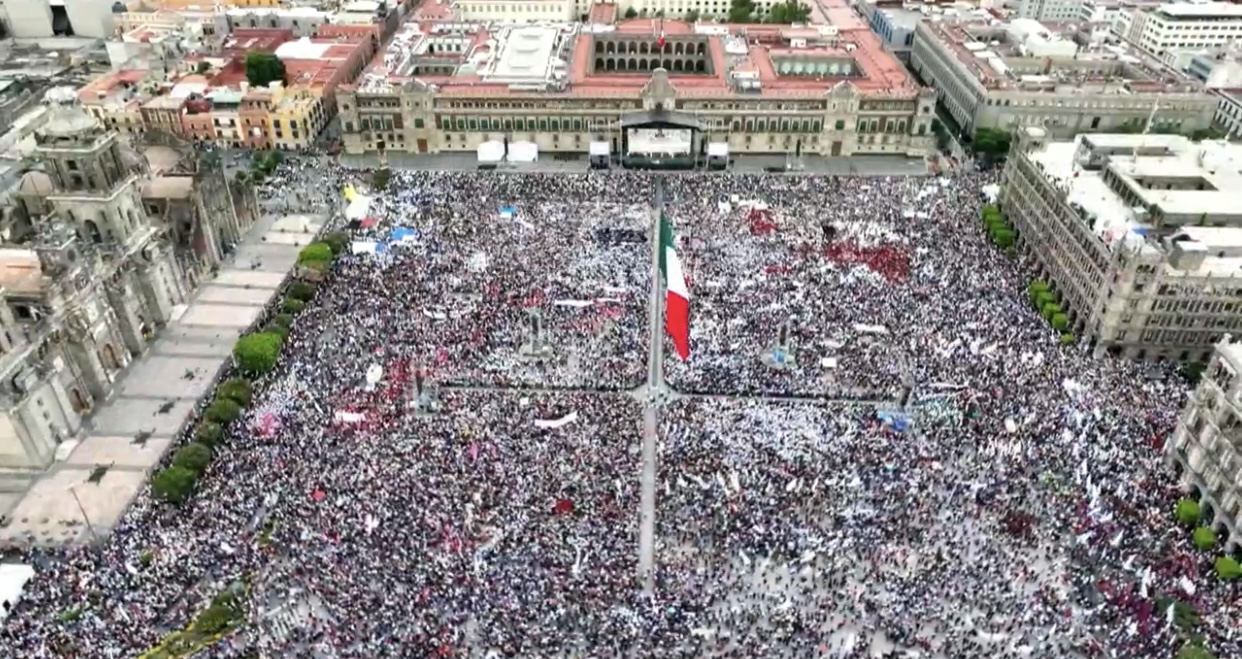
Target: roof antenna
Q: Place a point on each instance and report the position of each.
(1142, 141)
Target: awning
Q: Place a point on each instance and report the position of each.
(660, 118)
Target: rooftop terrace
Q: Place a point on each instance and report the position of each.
(490, 59)
(1170, 173)
(1055, 58)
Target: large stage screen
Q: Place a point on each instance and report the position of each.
(652, 141)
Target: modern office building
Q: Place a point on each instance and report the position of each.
(1141, 235)
(1206, 447)
(819, 89)
(1182, 25)
(1023, 73)
(1047, 10)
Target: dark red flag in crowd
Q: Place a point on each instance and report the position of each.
(564, 507)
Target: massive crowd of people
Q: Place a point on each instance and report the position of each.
(448, 459)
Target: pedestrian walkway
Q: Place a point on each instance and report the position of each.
(96, 476)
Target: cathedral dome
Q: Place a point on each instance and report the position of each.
(67, 121)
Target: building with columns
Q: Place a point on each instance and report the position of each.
(1206, 447)
(828, 90)
(1140, 235)
(88, 290)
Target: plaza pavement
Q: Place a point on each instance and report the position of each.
(130, 431)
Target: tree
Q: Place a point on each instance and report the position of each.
(174, 484)
(203, 67)
(263, 68)
(741, 11)
(1194, 650)
(942, 135)
(1067, 339)
(1060, 322)
(631, 13)
(380, 178)
(992, 143)
(1185, 617)
(223, 411)
(209, 433)
(1203, 538)
(1228, 568)
(283, 320)
(301, 291)
(317, 253)
(293, 306)
(1193, 372)
(1206, 134)
(691, 16)
(338, 240)
(237, 390)
(791, 11)
(1051, 309)
(257, 353)
(1188, 512)
(193, 456)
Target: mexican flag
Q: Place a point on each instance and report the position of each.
(677, 305)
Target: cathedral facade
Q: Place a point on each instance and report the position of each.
(86, 293)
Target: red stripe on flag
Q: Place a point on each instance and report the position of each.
(677, 322)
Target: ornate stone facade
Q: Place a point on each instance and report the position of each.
(86, 293)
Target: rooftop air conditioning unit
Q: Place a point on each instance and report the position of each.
(1185, 254)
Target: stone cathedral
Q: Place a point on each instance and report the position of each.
(85, 293)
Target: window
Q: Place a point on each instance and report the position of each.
(418, 123)
(349, 126)
(840, 124)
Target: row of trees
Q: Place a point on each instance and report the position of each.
(998, 228)
(1047, 302)
(1190, 515)
(255, 355)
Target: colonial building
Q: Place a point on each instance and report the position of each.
(86, 293)
(830, 90)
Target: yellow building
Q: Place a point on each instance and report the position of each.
(297, 116)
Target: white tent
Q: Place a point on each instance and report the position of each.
(358, 208)
(718, 150)
(491, 152)
(599, 149)
(523, 152)
(13, 578)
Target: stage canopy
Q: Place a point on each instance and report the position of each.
(523, 152)
(491, 152)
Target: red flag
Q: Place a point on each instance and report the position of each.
(564, 507)
(318, 495)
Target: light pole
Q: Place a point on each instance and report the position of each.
(90, 528)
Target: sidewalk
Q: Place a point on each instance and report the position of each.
(128, 433)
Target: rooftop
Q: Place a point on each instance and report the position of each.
(1203, 177)
(1054, 58)
(490, 59)
(265, 40)
(116, 89)
(1197, 10)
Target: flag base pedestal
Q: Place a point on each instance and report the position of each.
(425, 404)
(533, 352)
(781, 358)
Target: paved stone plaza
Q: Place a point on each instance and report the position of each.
(129, 433)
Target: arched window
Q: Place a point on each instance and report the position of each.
(92, 232)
